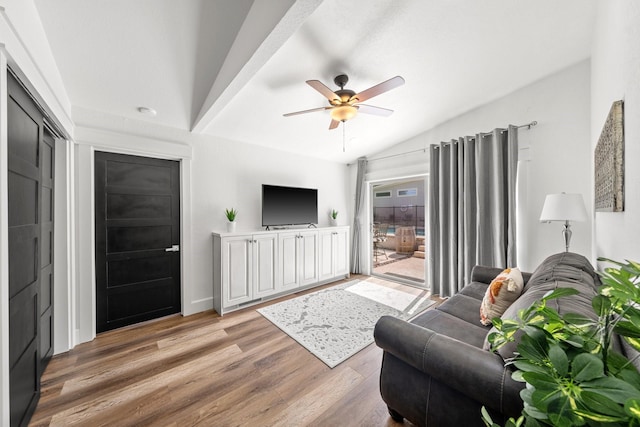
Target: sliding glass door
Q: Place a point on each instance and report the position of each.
(397, 215)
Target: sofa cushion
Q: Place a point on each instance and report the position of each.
(567, 266)
(446, 324)
(501, 293)
(565, 270)
(463, 307)
(474, 290)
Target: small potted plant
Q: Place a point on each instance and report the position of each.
(333, 217)
(231, 217)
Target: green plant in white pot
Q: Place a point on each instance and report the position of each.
(333, 217)
(231, 215)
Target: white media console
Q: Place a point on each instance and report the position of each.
(251, 267)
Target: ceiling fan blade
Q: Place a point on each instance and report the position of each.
(376, 90)
(295, 113)
(334, 124)
(377, 111)
(325, 91)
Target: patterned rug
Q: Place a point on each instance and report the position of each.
(337, 322)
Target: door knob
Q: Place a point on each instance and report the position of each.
(174, 248)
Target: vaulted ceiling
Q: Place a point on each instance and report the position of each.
(231, 69)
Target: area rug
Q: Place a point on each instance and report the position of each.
(337, 322)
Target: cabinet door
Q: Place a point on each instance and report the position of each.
(288, 260)
(265, 250)
(236, 270)
(341, 254)
(326, 254)
(308, 257)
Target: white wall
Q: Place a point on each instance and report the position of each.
(615, 70)
(29, 55)
(555, 154)
(228, 174)
(215, 173)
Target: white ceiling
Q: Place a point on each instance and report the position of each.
(232, 68)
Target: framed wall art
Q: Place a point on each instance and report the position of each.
(609, 162)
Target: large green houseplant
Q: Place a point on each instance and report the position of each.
(573, 376)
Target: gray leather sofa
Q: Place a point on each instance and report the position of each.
(437, 369)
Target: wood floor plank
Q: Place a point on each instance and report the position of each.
(209, 370)
(307, 407)
(108, 374)
(105, 405)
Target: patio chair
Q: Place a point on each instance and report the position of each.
(379, 237)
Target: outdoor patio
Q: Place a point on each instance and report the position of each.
(401, 266)
(409, 265)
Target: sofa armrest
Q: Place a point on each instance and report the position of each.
(484, 274)
(471, 371)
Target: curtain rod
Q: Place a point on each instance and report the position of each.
(424, 150)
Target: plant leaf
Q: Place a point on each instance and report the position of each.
(633, 267)
(613, 388)
(527, 366)
(559, 293)
(596, 403)
(562, 414)
(487, 418)
(627, 329)
(630, 375)
(575, 341)
(586, 366)
(634, 342)
(632, 407)
(533, 345)
(577, 319)
(601, 305)
(559, 359)
(542, 382)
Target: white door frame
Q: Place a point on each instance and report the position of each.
(88, 141)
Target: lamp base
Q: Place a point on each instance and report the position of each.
(566, 233)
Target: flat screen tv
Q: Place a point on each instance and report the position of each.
(288, 206)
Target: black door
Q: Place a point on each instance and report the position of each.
(137, 237)
(30, 188)
(47, 159)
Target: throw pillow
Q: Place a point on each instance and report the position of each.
(501, 293)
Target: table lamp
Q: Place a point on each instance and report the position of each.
(564, 207)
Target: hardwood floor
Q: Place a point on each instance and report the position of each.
(236, 370)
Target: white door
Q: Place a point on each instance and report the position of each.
(265, 250)
(326, 251)
(308, 257)
(288, 260)
(341, 252)
(236, 270)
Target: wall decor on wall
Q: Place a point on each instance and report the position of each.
(609, 162)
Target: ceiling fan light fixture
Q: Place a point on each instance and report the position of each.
(343, 113)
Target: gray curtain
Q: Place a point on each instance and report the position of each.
(472, 211)
(356, 261)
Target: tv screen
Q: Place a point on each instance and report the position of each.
(289, 205)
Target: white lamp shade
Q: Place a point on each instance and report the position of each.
(563, 207)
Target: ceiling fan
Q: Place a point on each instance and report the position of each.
(345, 103)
